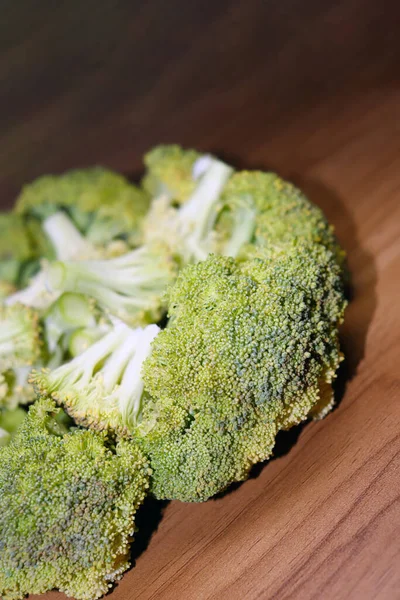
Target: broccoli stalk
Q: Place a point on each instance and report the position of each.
(67, 240)
(102, 387)
(129, 286)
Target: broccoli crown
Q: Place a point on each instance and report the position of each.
(283, 213)
(102, 204)
(102, 387)
(244, 355)
(67, 506)
(19, 337)
(169, 172)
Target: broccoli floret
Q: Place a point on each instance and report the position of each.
(67, 508)
(249, 350)
(189, 230)
(10, 420)
(102, 204)
(283, 214)
(19, 337)
(130, 286)
(170, 172)
(102, 387)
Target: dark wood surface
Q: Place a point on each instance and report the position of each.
(311, 89)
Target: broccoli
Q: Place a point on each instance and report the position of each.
(282, 213)
(189, 230)
(130, 286)
(102, 387)
(170, 171)
(249, 350)
(103, 205)
(67, 508)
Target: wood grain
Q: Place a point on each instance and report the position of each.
(312, 90)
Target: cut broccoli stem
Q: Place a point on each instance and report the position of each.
(242, 231)
(69, 312)
(79, 371)
(81, 339)
(129, 286)
(198, 215)
(67, 240)
(103, 387)
(131, 389)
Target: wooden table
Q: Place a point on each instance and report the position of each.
(312, 90)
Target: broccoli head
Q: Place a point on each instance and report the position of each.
(103, 205)
(67, 508)
(249, 349)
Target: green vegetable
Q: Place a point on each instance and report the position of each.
(103, 205)
(248, 351)
(67, 507)
(129, 287)
(102, 387)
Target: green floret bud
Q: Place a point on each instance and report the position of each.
(103, 205)
(10, 420)
(102, 387)
(170, 172)
(67, 508)
(249, 350)
(19, 337)
(129, 287)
